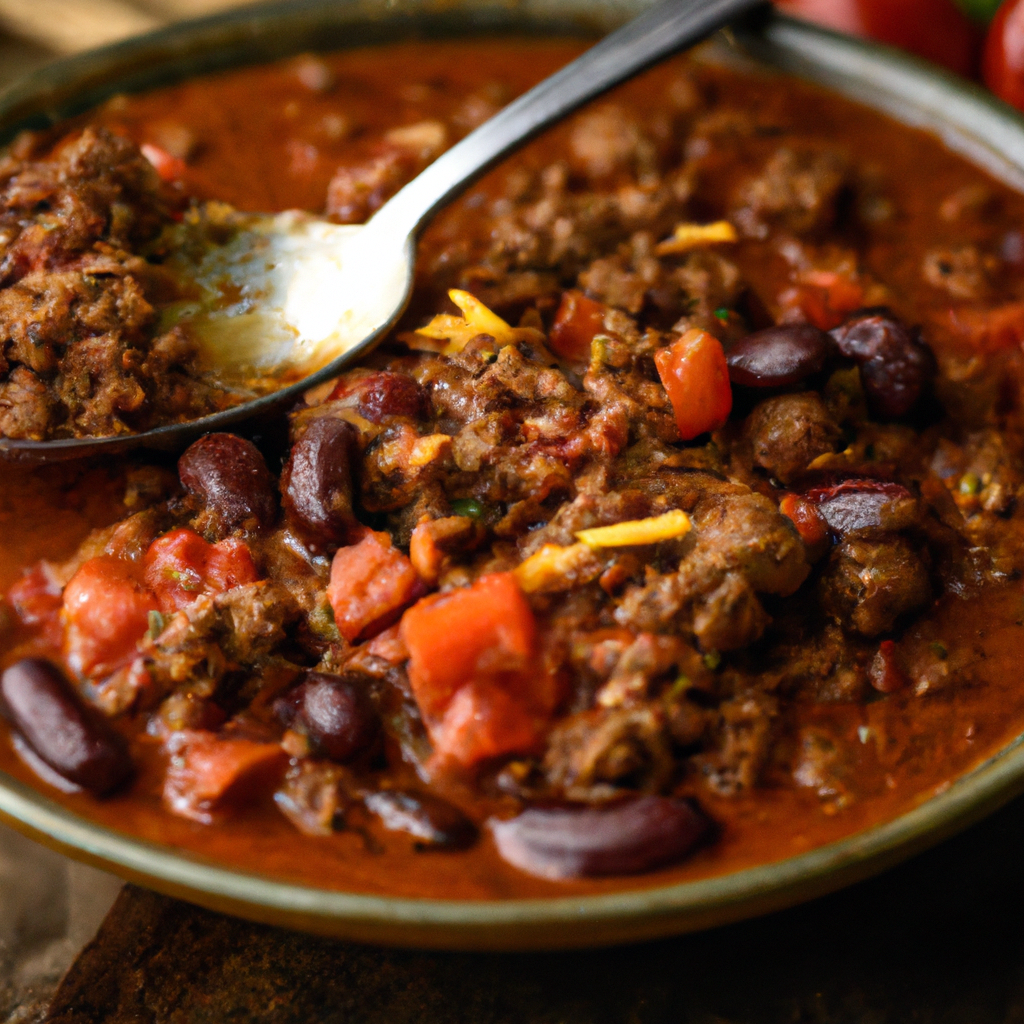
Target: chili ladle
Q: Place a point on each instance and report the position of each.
(314, 297)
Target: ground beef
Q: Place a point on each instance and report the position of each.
(81, 351)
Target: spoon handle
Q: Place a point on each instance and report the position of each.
(668, 26)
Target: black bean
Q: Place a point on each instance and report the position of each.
(229, 474)
(429, 818)
(392, 394)
(317, 482)
(335, 714)
(779, 356)
(896, 367)
(74, 739)
(620, 839)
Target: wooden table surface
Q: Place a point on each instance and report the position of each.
(939, 940)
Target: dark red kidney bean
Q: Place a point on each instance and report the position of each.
(896, 367)
(430, 819)
(74, 739)
(779, 356)
(886, 674)
(229, 474)
(620, 839)
(334, 713)
(864, 505)
(391, 394)
(317, 482)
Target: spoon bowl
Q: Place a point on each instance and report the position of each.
(296, 300)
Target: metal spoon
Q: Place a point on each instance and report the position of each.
(316, 296)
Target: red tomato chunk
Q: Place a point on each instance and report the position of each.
(577, 322)
(106, 613)
(210, 773)
(371, 582)
(36, 597)
(695, 374)
(181, 566)
(473, 670)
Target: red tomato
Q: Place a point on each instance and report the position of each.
(180, 566)
(1002, 66)
(934, 29)
(695, 374)
(106, 612)
(371, 582)
(577, 321)
(465, 634)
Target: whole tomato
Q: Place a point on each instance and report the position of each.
(1003, 63)
(934, 29)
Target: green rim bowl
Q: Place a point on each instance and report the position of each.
(969, 120)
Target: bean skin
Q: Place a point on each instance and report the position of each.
(392, 394)
(779, 356)
(229, 474)
(74, 739)
(621, 839)
(433, 821)
(334, 713)
(896, 367)
(317, 482)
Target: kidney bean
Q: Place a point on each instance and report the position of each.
(624, 838)
(317, 482)
(334, 713)
(74, 739)
(229, 474)
(779, 356)
(896, 367)
(865, 505)
(391, 394)
(431, 820)
(885, 673)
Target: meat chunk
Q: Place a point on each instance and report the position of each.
(79, 351)
(798, 189)
(593, 754)
(787, 433)
(869, 584)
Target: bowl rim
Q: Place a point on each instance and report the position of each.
(968, 119)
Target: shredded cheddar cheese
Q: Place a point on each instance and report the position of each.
(694, 236)
(457, 331)
(638, 531)
(556, 568)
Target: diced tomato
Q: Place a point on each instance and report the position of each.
(1002, 65)
(106, 614)
(371, 582)
(577, 321)
(474, 671)
(694, 372)
(36, 597)
(990, 330)
(806, 518)
(209, 773)
(168, 168)
(180, 566)
(466, 634)
(485, 720)
(934, 29)
(389, 646)
(823, 298)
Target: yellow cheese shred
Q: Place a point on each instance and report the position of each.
(638, 531)
(457, 331)
(694, 236)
